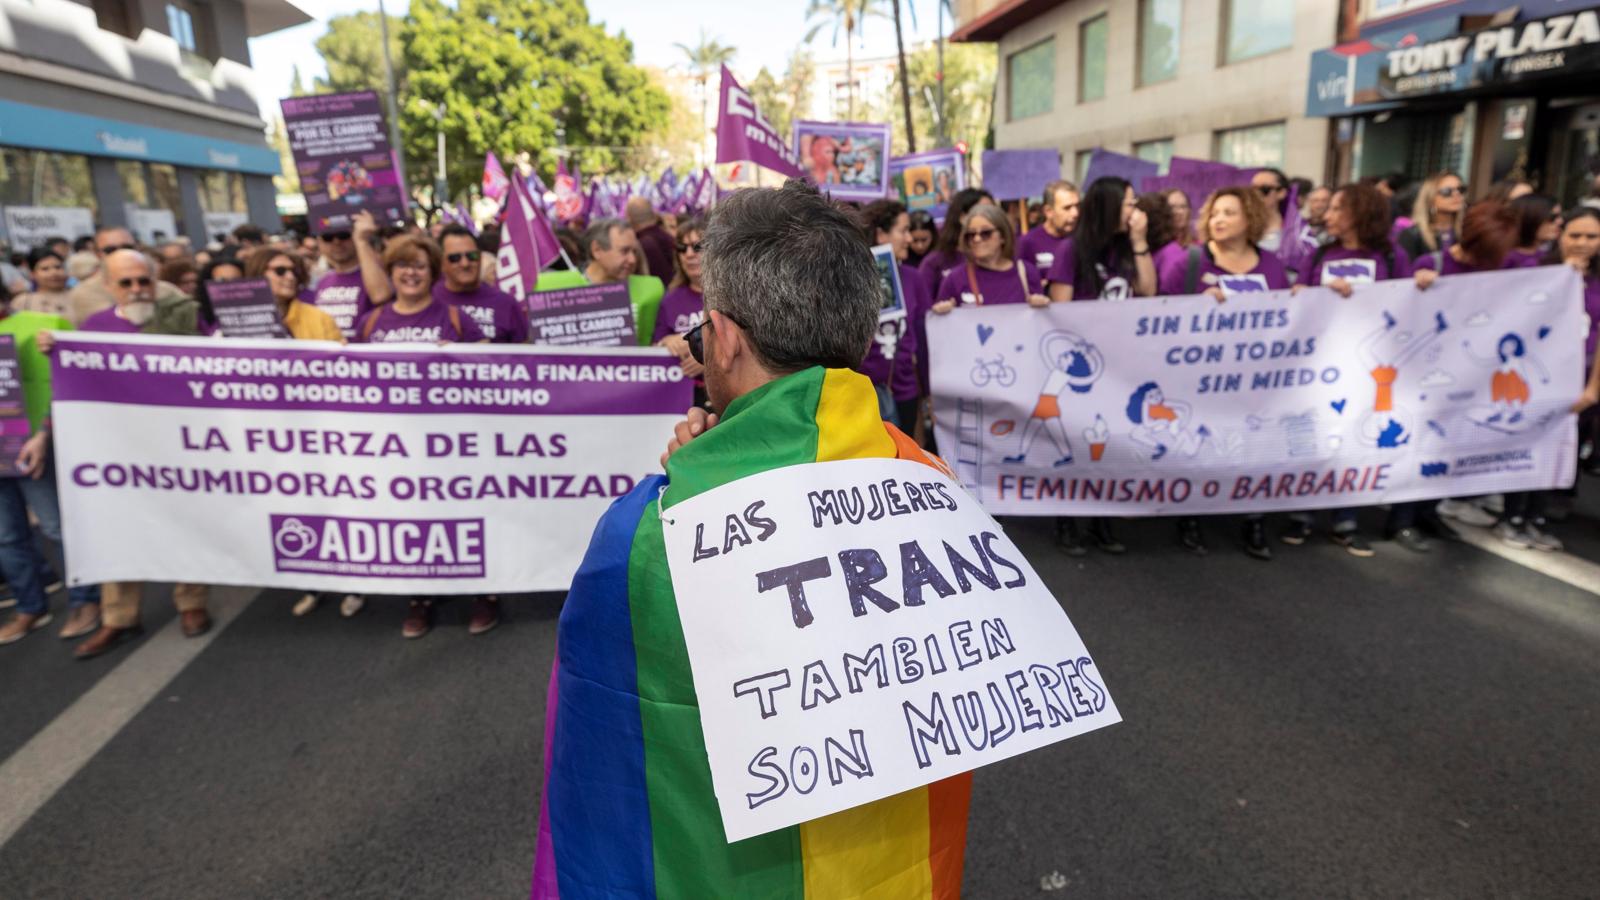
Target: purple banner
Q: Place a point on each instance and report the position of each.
(245, 309)
(595, 315)
(200, 373)
(744, 135)
(1105, 164)
(1019, 174)
(14, 425)
(1198, 182)
(342, 154)
(926, 181)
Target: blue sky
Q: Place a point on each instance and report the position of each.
(764, 37)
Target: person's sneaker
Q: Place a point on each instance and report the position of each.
(1513, 535)
(1353, 544)
(306, 603)
(419, 619)
(1465, 513)
(485, 615)
(1493, 504)
(1296, 533)
(22, 625)
(81, 620)
(1068, 538)
(1541, 539)
(351, 604)
(1190, 537)
(1411, 539)
(1439, 528)
(1255, 539)
(1100, 531)
(52, 583)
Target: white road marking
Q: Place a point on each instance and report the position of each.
(1564, 567)
(53, 756)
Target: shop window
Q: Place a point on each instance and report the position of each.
(40, 178)
(164, 191)
(1160, 30)
(1252, 28)
(135, 187)
(1256, 146)
(1031, 81)
(222, 192)
(1092, 59)
(1158, 152)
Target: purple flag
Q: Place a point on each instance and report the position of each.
(527, 243)
(570, 204)
(744, 134)
(495, 181)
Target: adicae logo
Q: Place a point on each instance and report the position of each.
(294, 538)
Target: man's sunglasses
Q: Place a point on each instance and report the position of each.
(109, 249)
(141, 281)
(331, 236)
(697, 344)
(695, 247)
(458, 257)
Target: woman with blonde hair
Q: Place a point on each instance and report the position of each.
(991, 273)
(1436, 216)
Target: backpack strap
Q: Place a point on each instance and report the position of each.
(1191, 270)
(1316, 261)
(972, 282)
(1022, 276)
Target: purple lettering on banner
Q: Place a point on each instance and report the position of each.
(342, 154)
(506, 380)
(744, 135)
(378, 548)
(15, 428)
(595, 315)
(245, 308)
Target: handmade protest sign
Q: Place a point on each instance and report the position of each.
(342, 154)
(847, 160)
(15, 429)
(1184, 406)
(926, 181)
(861, 628)
(1019, 174)
(594, 315)
(245, 308)
(893, 305)
(385, 469)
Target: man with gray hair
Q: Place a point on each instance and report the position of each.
(1043, 245)
(792, 299)
(94, 294)
(614, 257)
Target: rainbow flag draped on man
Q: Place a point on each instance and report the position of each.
(628, 809)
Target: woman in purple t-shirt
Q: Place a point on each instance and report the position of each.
(895, 358)
(1436, 215)
(946, 254)
(991, 273)
(684, 306)
(1488, 232)
(1108, 257)
(1538, 226)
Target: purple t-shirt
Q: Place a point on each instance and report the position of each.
(430, 325)
(1041, 248)
(995, 287)
(938, 264)
(1114, 285)
(681, 310)
(1355, 266)
(1591, 303)
(343, 296)
(1446, 264)
(659, 249)
(108, 320)
(499, 316)
(893, 359)
(1166, 253)
(1516, 259)
(1266, 275)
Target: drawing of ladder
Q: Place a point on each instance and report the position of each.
(969, 443)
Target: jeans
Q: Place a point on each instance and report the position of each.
(20, 561)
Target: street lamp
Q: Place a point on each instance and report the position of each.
(441, 185)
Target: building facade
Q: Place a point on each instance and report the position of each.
(1208, 79)
(134, 112)
(1483, 88)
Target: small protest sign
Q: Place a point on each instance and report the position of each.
(894, 298)
(245, 308)
(860, 628)
(594, 315)
(14, 425)
(1105, 164)
(1019, 174)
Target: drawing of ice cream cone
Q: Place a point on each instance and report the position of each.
(1097, 437)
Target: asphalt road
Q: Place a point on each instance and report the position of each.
(1317, 726)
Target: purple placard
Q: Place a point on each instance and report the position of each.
(1105, 164)
(1019, 174)
(594, 315)
(1186, 165)
(343, 157)
(14, 425)
(245, 309)
(926, 181)
(1198, 182)
(849, 160)
(378, 548)
(205, 374)
(744, 134)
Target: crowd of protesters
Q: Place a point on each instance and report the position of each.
(391, 284)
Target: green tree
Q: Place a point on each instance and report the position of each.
(287, 181)
(519, 75)
(850, 16)
(705, 59)
(352, 52)
(297, 85)
(782, 100)
(969, 74)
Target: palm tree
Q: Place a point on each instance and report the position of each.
(708, 56)
(850, 15)
(905, 82)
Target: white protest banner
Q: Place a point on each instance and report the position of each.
(1267, 401)
(30, 226)
(860, 628)
(464, 469)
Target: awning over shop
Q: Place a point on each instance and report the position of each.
(69, 132)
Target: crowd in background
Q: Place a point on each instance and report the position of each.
(378, 283)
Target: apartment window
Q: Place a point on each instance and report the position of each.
(1254, 28)
(40, 178)
(1160, 26)
(1158, 152)
(180, 25)
(115, 16)
(1080, 166)
(1258, 145)
(1092, 59)
(1379, 8)
(1031, 80)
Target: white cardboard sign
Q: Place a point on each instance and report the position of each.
(860, 628)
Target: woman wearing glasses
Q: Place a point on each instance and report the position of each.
(1108, 257)
(502, 319)
(286, 276)
(992, 274)
(1436, 217)
(946, 255)
(684, 307)
(1538, 227)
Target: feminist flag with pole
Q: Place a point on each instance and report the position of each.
(527, 243)
(743, 134)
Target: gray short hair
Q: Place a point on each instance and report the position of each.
(599, 232)
(790, 268)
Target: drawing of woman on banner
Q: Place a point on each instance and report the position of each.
(1075, 365)
(1387, 425)
(1509, 390)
